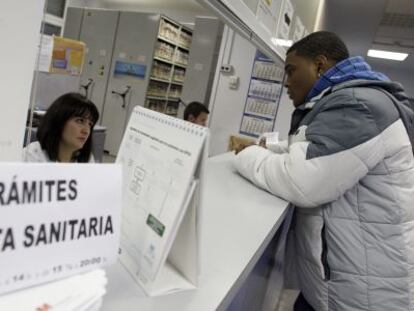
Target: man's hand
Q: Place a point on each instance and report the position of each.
(262, 142)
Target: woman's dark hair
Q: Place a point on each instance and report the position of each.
(65, 107)
(194, 109)
(321, 43)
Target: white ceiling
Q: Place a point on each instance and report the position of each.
(400, 6)
(381, 24)
(396, 29)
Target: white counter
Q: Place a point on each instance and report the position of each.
(238, 222)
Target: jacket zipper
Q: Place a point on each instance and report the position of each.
(324, 256)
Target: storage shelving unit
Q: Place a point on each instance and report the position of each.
(168, 67)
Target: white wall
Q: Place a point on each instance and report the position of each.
(50, 86)
(226, 105)
(17, 63)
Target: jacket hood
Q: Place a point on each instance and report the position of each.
(349, 69)
(393, 88)
(395, 92)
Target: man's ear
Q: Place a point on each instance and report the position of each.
(322, 64)
(191, 118)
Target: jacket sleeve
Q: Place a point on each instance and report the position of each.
(280, 147)
(338, 149)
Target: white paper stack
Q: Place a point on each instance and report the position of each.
(82, 292)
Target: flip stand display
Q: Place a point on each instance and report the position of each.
(162, 161)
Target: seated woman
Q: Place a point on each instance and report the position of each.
(64, 134)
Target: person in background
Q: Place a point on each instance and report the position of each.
(197, 113)
(348, 172)
(64, 134)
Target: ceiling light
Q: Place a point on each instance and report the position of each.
(281, 42)
(387, 55)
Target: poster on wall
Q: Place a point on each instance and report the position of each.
(45, 53)
(263, 97)
(268, 14)
(259, 107)
(266, 90)
(67, 56)
(130, 69)
(255, 126)
(61, 55)
(263, 69)
(286, 20)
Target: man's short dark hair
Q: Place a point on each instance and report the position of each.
(194, 109)
(51, 127)
(321, 43)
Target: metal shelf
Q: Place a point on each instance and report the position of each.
(173, 99)
(169, 62)
(173, 43)
(177, 83)
(180, 65)
(163, 60)
(183, 47)
(159, 80)
(156, 97)
(167, 40)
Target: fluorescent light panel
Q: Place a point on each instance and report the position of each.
(387, 55)
(282, 42)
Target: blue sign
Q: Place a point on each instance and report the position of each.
(130, 69)
(262, 57)
(60, 63)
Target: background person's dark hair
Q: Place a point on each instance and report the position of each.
(194, 109)
(321, 43)
(50, 130)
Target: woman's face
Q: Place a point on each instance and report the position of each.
(76, 131)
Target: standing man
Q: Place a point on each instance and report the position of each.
(348, 170)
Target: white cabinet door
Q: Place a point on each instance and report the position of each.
(131, 65)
